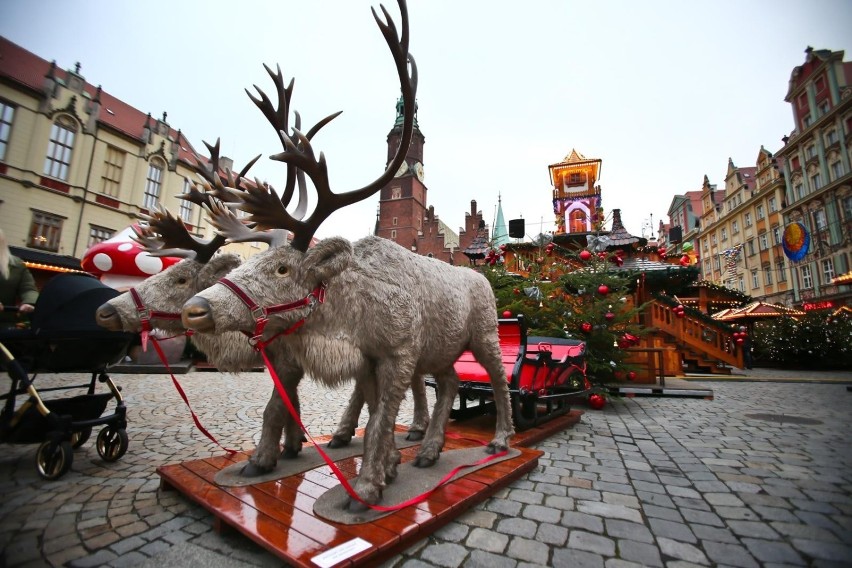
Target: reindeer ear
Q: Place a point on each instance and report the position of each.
(218, 266)
(327, 259)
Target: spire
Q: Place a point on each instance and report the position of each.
(501, 235)
(618, 235)
(400, 110)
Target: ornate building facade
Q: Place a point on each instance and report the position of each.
(576, 195)
(77, 164)
(816, 160)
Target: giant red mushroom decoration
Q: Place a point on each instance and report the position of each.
(121, 262)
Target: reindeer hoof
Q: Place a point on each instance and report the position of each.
(254, 470)
(290, 453)
(414, 435)
(338, 442)
(493, 448)
(423, 461)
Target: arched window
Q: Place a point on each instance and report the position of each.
(59, 150)
(154, 184)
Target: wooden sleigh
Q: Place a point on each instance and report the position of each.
(544, 373)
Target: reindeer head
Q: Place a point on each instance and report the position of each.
(290, 273)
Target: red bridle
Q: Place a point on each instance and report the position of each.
(261, 314)
(146, 315)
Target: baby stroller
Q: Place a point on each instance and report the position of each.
(63, 337)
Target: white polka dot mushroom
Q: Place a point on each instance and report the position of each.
(121, 263)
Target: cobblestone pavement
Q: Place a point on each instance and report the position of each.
(736, 481)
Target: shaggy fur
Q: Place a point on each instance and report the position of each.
(169, 290)
(389, 315)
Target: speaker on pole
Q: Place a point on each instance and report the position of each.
(675, 234)
(516, 228)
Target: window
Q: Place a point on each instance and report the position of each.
(186, 205)
(395, 221)
(741, 281)
(819, 219)
(153, 185)
(7, 113)
(750, 247)
(724, 234)
(777, 235)
(816, 181)
(706, 244)
(755, 280)
(831, 137)
(773, 207)
(393, 234)
(763, 241)
(59, 149)
(99, 235)
(760, 215)
(827, 271)
(847, 207)
(836, 170)
(807, 278)
(782, 270)
(810, 152)
(45, 231)
(717, 263)
(798, 191)
(823, 108)
(735, 227)
(713, 239)
(113, 167)
(767, 275)
(808, 120)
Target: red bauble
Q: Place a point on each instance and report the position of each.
(585, 255)
(740, 341)
(631, 375)
(618, 375)
(609, 316)
(507, 314)
(549, 248)
(596, 401)
(539, 260)
(603, 289)
(516, 291)
(586, 327)
(661, 251)
(680, 313)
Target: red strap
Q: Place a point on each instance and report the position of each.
(339, 474)
(182, 394)
(146, 315)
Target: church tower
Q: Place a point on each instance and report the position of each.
(576, 197)
(402, 202)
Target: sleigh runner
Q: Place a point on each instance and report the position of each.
(544, 374)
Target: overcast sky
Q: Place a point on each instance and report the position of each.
(662, 92)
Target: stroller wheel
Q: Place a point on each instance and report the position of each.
(80, 438)
(112, 443)
(53, 460)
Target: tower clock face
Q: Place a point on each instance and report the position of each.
(418, 170)
(402, 169)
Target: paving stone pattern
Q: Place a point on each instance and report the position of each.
(644, 482)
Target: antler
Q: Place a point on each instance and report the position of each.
(167, 235)
(229, 226)
(212, 183)
(267, 211)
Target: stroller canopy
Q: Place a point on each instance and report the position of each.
(68, 303)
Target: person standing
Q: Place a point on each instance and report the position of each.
(746, 347)
(17, 286)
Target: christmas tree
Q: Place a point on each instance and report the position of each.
(574, 294)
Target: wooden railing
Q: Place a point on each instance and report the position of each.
(712, 340)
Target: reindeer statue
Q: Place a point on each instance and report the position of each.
(161, 297)
(370, 310)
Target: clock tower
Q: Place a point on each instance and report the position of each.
(402, 202)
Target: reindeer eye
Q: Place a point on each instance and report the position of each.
(181, 281)
(283, 270)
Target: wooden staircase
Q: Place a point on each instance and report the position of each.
(704, 346)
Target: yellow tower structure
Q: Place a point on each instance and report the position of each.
(576, 195)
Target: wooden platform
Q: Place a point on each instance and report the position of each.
(278, 515)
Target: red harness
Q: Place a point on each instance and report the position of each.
(146, 315)
(261, 314)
